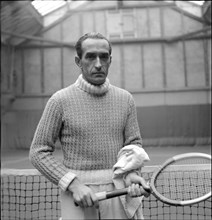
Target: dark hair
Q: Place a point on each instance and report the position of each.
(91, 35)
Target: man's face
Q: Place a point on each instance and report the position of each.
(95, 60)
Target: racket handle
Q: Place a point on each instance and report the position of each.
(120, 192)
(107, 195)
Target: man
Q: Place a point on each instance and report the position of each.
(93, 121)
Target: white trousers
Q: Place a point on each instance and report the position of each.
(108, 209)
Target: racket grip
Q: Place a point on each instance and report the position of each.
(107, 195)
(119, 192)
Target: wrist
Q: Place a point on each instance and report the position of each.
(75, 182)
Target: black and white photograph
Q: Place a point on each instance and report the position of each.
(105, 110)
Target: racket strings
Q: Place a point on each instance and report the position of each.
(185, 180)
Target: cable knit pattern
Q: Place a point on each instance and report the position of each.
(92, 122)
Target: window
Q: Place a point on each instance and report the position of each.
(121, 24)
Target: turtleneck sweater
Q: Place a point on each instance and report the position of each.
(92, 123)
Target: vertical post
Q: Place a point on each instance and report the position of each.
(10, 80)
(42, 69)
(61, 57)
(163, 55)
(184, 50)
(122, 66)
(22, 72)
(148, 22)
(206, 63)
(142, 66)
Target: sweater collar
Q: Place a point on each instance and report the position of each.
(92, 89)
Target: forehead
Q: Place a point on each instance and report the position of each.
(95, 45)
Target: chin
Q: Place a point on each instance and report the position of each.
(98, 82)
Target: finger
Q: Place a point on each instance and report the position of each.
(78, 202)
(137, 190)
(89, 201)
(141, 181)
(131, 190)
(144, 192)
(145, 184)
(86, 201)
(95, 200)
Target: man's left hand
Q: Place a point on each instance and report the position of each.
(134, 183)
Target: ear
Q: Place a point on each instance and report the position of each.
(78, 61)
(110, 59)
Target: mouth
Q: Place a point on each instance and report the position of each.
(99, 73)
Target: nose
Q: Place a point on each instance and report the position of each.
(98, 64)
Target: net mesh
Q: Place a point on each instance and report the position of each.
(26, 194)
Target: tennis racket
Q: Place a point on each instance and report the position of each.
(184, 179)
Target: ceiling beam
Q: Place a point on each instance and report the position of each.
(41, 39)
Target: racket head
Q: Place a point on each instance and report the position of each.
(182, 180)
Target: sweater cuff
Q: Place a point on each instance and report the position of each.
(66, 180)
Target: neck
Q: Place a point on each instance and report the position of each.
(92, 89)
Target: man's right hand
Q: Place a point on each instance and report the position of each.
(83, 195)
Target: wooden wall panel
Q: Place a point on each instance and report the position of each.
(29, 103)
(113, 21)
(53, 33)
(153, 66)
(154, 22)
(70, 70)
(115, 71)
(172, 22)
(52, 70)
(175, 77)
(71, 28)
(18, 68)
(5, 68)
(32, 70)
(18, 133)
(87, 22)
(132, 67)
(191, 24)
(175, 121)
(195, 63)
(128, 24)
(100, 20)
(172, 98)
(209, 61)
(142, 23)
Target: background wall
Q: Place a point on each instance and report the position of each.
(161, 54)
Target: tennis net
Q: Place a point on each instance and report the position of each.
(26, 194)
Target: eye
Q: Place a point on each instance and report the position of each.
(91, 56)
(104, 56)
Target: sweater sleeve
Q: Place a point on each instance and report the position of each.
(43, 146)
(132, 132)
